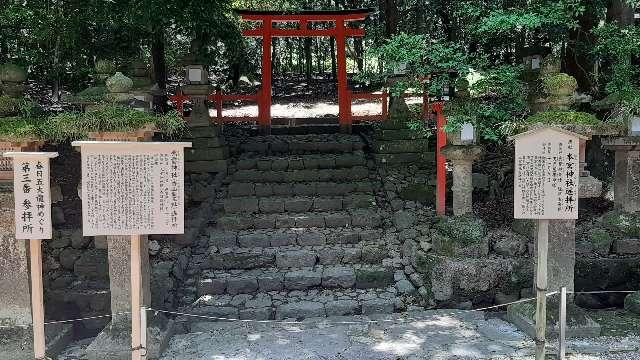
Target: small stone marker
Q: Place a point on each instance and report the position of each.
(545, 188)
(32, 196)
(133, 188)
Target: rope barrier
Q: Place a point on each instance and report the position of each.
(300, 322)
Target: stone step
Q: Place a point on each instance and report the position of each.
(336, 219)
(303, 144)
(299, 176)
(235, 282)
(279, 305)
(287, 257)
(298, 204)
(301, 162)
(313, 188)
(288, 237)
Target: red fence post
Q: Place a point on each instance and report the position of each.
(441, 162)
(264, 106)
(344, 98)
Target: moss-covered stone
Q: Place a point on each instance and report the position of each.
(632, 302)
(622, 224)
(9, 106)
(465, 229)
(601, 240)
(119, 83)
(559, 84)
(418, 192)
(12, 73)
(373, 278)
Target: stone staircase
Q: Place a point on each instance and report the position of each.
(300, 235)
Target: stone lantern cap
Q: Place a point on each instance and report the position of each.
(630, 143)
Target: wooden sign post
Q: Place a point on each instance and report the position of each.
(545, 188)
(133, 188)
(32, 194)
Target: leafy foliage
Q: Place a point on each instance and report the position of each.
(19, 128)
(109, 118)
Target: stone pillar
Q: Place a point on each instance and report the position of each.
(462, 158)
(627, 171)
(119, 250)
(16, 333)
(114, 342)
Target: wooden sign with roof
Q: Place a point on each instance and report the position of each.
(546, 174)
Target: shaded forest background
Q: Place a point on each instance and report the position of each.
(59, 41)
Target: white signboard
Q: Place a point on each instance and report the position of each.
(132, 188)
(546, 174)
(32, 194)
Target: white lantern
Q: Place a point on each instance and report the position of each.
(468, 134)
(634, 126)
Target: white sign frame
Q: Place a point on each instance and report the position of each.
(20, 197)
(545, 144)
(93, 226)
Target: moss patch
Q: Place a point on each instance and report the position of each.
(465, 229)
(617, 322)
(622, 225)
(601, 240)
(9, 106)
(563, 118)
(559, 82)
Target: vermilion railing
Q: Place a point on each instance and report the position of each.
(218, 98)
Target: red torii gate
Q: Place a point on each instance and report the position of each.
(340, 31)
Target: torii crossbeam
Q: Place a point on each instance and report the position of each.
(342, 27)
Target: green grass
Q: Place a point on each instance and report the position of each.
(18, 128)
(109, 118)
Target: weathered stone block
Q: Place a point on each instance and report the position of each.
(298, 205)
(212, 286)
(283, 239)
(627, 246)
(92, 264)
(262, 190)
(271, 282)
(241, 205)
(338, 220)
(378, 306)
(295, 259)
(302, 279)
(327, 204)
(241, 189)
(242, 285)
(373, 278)
(245, 260)
(234, 223)
(304, 189)
(254, 240)
(310, 221)
(338, 277)
(342, 308)
(271, 205)
(311, 238)
(304, 309)
(223, 238)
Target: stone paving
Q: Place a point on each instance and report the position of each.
(436, 334)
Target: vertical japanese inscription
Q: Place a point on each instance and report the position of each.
(546, 175)
(134, 189)
(32, 197)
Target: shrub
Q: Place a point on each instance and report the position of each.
(19, 128)
(563, 118)
(109, 118)
(9, 106)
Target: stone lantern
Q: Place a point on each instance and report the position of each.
(13, 78)
(119, 87)
(627, 166)
(104, 69)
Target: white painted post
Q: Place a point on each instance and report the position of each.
(541, 288)
(136, 297)
(143, 331)
(37, 299)
(563, 324)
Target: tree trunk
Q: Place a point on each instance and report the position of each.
(578, 59)
(334, 65)
(308, 59)
(159, 65)
(391, 18)
(621, 12)
(56, 65)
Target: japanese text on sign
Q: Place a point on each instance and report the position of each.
(546, 175)
(132, 188)
(32, 194)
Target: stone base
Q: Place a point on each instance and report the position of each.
(17, 343)
(114, 342)
(579, 324)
